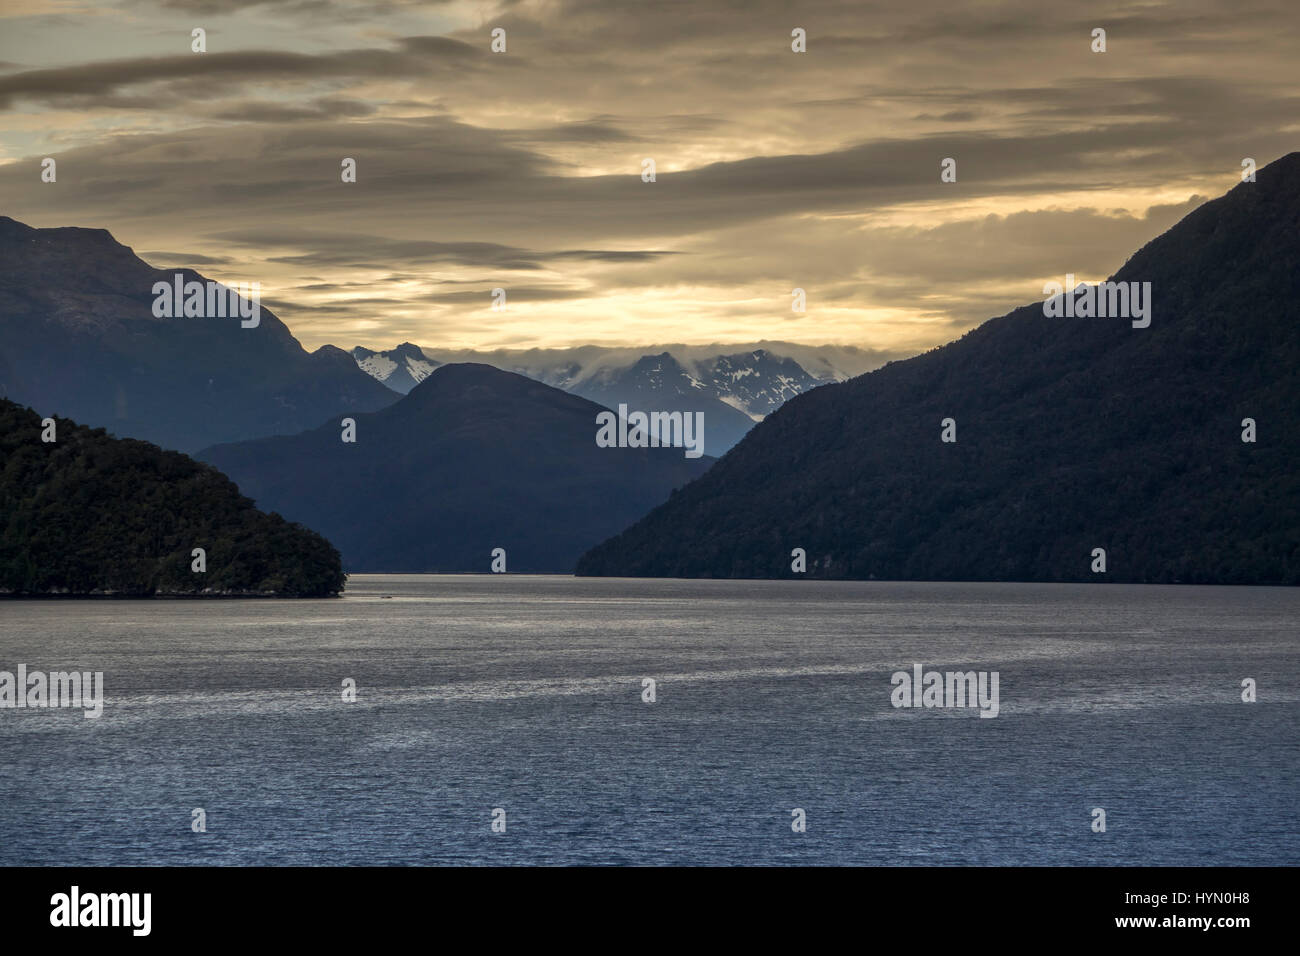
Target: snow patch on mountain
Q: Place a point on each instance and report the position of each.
(751, 381)
(377, 366)
(419, 370)
(739, 406)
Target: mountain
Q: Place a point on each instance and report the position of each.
(661, 383)
(753, 384)
(79, 337)
(732, 390)
(471, 460)
(401, 369)
(1072, 434)
(87, 513)
(757, 383)
(565, 367)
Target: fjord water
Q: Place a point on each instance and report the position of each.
(525, 693)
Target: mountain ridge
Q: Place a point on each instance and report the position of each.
(732, 390)
(80, 338)
(472, 459)
(1072, 434)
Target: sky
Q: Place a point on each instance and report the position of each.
(522, 170)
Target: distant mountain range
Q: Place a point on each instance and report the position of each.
(472, 460)
(78, 337)
(83, 513)
(733, 389)
(1078, 439)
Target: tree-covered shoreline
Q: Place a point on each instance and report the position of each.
(90, 515)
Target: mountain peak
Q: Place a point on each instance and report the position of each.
(408, 350)
(477, 382)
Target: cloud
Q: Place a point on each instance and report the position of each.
(774, 169)
(231, 70)
(190, 259)
(362, 251)
(324, 108)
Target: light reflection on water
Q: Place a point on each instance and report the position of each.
(523, 692)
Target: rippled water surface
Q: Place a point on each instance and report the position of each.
(525, 693)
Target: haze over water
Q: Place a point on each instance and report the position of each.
(525, 693)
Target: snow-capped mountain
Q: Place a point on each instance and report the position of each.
(661, 383)
(735, 386)
(401, 369)
(757, 383)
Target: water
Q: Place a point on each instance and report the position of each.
(524, 693)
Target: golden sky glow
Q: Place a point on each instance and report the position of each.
(521, 170)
